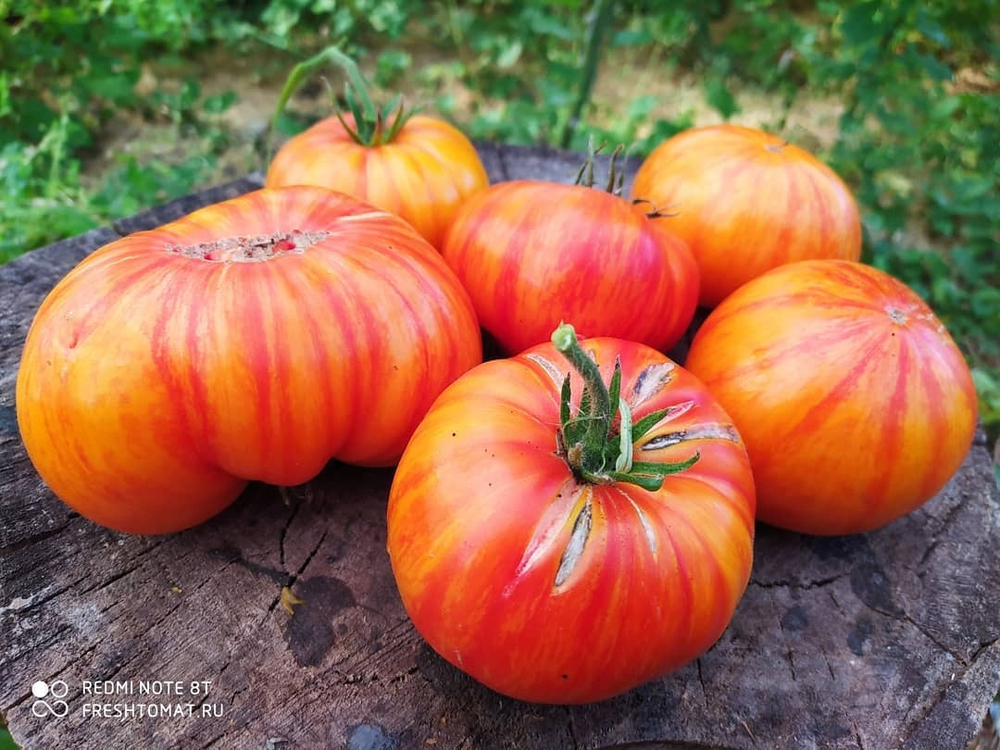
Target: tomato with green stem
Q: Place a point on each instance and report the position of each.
(418, 167)
(562, 539)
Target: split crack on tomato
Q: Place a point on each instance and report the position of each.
(699, 432)
(577, 541)
(251, 249)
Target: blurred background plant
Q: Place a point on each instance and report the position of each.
(108, 106)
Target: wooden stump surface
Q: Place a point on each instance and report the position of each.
(881, 640)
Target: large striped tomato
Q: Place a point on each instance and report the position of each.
(535, 253)
(745, 202)
(423, 174)
(539, 548)
(855, 404)
(254, 339)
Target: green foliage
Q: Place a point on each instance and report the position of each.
(71, 69)
(6, 741)
(917, 137)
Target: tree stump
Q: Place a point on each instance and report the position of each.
(879, 640)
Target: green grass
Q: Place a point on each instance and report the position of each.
(6, 741)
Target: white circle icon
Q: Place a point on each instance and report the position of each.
(42, 689)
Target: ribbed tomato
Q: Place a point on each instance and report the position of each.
(423, 174)
(533, 254)
(855, 404)
(254, 339)
(548, 556)
(745, 202)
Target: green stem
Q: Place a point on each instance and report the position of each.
(616, 177)
(587, 441)
(596, 423)
(369, 123)
(600, 17)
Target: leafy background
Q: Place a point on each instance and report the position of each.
(109, 106)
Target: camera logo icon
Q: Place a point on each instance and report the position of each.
(42, 690)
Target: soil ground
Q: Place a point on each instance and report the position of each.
(257, 83)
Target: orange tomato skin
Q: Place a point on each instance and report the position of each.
(482, 510)
(855, 404)
(533, 254)
(745, 202)
(424, 175)
(154, 385)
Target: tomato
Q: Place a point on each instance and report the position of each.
(556, 571)
(254, 339)
(855, 404)
(424, 174)
(745, 202)
(535, 253)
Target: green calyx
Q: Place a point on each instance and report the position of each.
(616, 176)
(373, 125)
(588, 441)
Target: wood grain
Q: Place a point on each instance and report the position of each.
(883, 640)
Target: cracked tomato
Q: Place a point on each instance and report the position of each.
(254, 339)
(564, 549)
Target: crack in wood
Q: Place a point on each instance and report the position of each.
(904, 617)
(41, 536)
(107, 582)
(572, 727)
(214, 740)
(284, 530)
(949, 517)
(701, 679)
(198, 587)
(836, 603)
(826, 658)
(784, 637)
(798, 585)
(940, 693)
(382, 647)
(293, 577)
(982, 647)
(404, 675)
(10, 661)
(114, 603)
(924, 557)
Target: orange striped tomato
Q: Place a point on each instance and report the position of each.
(746, 201)
(426, 172)
(855, 403)
(253, 339)
(533, 254)
(550, 586)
